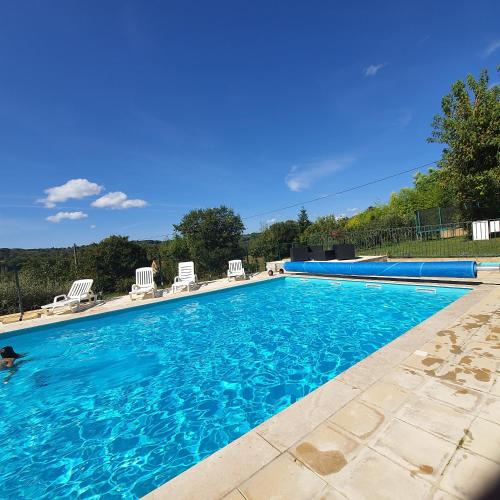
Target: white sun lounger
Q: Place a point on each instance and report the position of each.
(80, 290)
(186, 278)
(235, 270)
(144, 283)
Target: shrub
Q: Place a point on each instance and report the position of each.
(34, 293)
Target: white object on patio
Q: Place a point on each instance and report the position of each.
(484, 229)
(186, 277)
(235, 270)
(144, 283)
(480, 230)
(80, 290)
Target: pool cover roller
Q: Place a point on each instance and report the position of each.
(450, 269)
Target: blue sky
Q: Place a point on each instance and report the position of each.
(119, 117)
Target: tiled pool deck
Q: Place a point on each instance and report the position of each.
(419, 418)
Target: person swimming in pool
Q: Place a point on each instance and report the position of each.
(9, 356)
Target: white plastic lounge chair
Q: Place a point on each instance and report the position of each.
(235, 270)
(186, 277)
(80, 290)
(144, 283)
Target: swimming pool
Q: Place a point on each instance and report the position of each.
(115, 405)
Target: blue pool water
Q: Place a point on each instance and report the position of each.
(114, 406)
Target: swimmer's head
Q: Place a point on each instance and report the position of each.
(8, 352)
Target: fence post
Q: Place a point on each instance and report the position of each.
(19, 295)
(76, 261)
(159, 270)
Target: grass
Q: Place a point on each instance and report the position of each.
(449, 247)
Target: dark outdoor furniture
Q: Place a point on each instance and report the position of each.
(344, 252)
(299, 254)
(316, 252)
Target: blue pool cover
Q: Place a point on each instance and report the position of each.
(450, 269)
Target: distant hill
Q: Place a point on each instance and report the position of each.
(22, 256)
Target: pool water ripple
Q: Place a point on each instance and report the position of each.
(114, 406)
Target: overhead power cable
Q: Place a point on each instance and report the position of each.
(353, 188)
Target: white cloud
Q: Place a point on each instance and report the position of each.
(92, 226)
(302, 177)
(352, 209)
(492, 47)
(271, 221)
(66, 215)
(373, 69)
(73, 189)
(117, 200)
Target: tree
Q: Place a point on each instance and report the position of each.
(469, 127)
(323, 229)
(303, 220)
(212, 237)
(431, 190)
(172, 252)
(274, 242)
(113, 262)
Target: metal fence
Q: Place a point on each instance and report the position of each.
(436, 216)
(459, 239)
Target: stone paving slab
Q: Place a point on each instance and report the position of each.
(386, 396)
(222, 472)
(454, 395)
(373, 476)
(468, 475)
(490, 409)
(327, 449)
(483, 438)
(436, 418)
(422, 453)
(285, 428)
(286, 478)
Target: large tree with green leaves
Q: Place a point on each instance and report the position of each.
(172, 252)
(212, 237)
(274, 242)
(469, 127)
(112, 263)
(324, 227)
